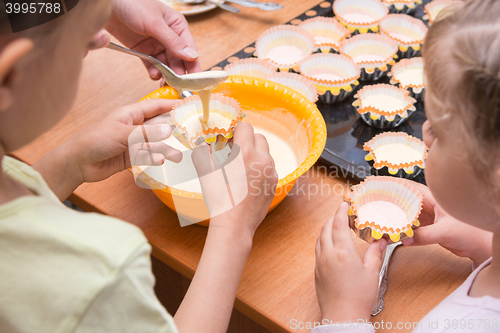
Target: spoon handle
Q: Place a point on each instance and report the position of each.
(268, 6)
(224, 6)
(382, 279)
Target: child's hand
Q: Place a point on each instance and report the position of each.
(150, 27)
(346, 286)
(252, 182)
(101, 150)
(437, 227)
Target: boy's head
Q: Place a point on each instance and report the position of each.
(462, 66)
(40, 68)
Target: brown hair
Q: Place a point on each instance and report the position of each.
(462, 66)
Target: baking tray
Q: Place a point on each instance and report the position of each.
(346, 131)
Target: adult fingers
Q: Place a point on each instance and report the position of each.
(374, 255)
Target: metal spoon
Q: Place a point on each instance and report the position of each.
(267, 6)
(194, 81)
(382, 279)
(214, 2)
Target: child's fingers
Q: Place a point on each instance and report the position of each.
(243, 135)
(149, 133)
(427, 235)
(325, 236)
(341, 233)
(374, 255)
(261, 143)
(202, 160)
(148, 154)
(136, 114)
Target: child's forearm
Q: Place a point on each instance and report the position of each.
(209, 300)
(60, 170)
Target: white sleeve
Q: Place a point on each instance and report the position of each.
(128, 302)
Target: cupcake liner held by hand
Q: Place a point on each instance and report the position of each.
(335, 75)
(374, 53)
(407, 31)
(328, 32)
(191, 131)
(384, 206)
(409, 74)
(360, 16)
(396, 154)
(383, 105)
(284, 46)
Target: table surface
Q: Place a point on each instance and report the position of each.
(277, 287)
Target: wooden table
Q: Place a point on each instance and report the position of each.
(276, 292)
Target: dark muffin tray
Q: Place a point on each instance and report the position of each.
(346, 131)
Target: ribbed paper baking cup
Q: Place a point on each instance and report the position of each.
(186, 115)
(251, 67)
(433, 8)
(334, 75)
(402, 6)
(285, 46)
(374, 53)
(360, 16)
(297, 82)
(407, 31)
(384, 105)
(396, 153)
(409, 74)
(328, 32)
(384, 206)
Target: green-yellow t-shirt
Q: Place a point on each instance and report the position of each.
(66, 271)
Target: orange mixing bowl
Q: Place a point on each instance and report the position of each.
(272, 107)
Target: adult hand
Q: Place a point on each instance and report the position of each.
(150, 27)
(438, 227)
(346, 286)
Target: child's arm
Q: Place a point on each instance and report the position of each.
(440, 228)
(209, 300)
(346, 286)
(102, 149)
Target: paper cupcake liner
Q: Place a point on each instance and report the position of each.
(360, 16)
(433, 8)
(402, 6)
(391, 190)
(327, 31)
(362, 49)
(376, 117)
(215, 133)
(297, 82)
(407, 31)
(408, 169)
(284, 35)
(345, 71)
(416, 89)
(251, 67)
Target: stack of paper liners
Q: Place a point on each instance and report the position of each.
(407, 31)
(402, 6)
(297, 82)
(408, 169)
(284, 36)
(415, 86)
(360, 16)
(391, 190)
(251, 67)
(334, 75)
(376, 116)
(374, 53)
(217, 133)
(327, 31)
